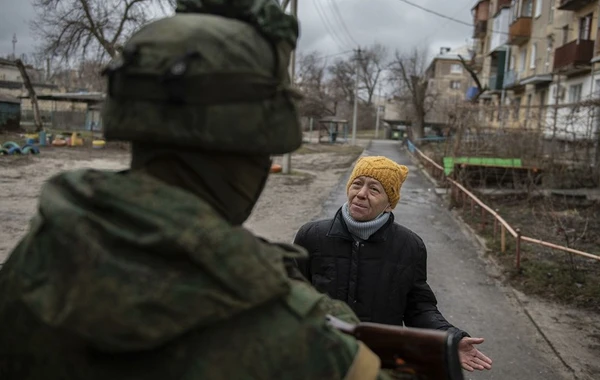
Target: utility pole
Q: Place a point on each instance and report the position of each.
(286, 167)
(379, 108)
(355, 113)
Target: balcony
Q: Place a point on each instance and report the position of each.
(499, 34)
(502, 4)
(511, 79)
(495, 82)
(519, 31)
(597, 44)
(574, 55)
(480, 29)
(573, 5)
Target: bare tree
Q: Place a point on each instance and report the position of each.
(32, 95)
(408, 71)
(85, 76)
(475, 76)
(321, 98)
(343, 73)
(70, 28)
(372, 63)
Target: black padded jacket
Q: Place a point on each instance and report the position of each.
(383, 279)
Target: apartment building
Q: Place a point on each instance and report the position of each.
(537, 53)
(448, 82)
(530, 67)
(491, 32)
(12, 85)
(575, 77)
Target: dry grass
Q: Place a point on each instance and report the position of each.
(551, 274)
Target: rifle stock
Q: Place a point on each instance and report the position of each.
(429, 354)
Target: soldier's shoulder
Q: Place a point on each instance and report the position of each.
(286, 339)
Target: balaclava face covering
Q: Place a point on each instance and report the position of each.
(231, 184)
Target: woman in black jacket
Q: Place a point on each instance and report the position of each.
(376, 266)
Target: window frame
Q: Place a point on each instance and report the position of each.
(459, 71)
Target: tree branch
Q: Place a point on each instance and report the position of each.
(31, 91)
(480, 89)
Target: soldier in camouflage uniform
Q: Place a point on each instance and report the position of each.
(147, 273)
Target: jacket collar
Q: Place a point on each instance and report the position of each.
(338, 229)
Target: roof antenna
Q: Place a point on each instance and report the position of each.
(14, 42)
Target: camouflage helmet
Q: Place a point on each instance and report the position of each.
(214, 77)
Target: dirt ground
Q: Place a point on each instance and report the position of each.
(287, 202)
(22, 177)
(555, 275)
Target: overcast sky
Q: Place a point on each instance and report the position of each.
(392, 23)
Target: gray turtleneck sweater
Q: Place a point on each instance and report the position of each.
(363, 230)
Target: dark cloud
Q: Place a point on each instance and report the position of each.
(392, 23)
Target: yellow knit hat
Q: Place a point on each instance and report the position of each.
(390, 174)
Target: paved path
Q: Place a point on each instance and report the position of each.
(468, 297)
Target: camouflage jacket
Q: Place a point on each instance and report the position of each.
(124, 277)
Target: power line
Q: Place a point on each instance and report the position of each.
(437, 13)
(462, 9)
(463, 22)
(318, 57)
(335, 54)
(339, 41)
(337, 12)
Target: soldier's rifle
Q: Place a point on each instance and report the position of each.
(428, 354)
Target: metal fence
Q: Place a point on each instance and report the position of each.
(58, 120)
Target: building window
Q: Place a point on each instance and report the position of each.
(455, 84)
(549, 50)
(551, 13)
(522, 60)
(565, 34)
(527, 8)
(533, 56)
(538, 8)
(456, 68)
(585, 27)
(575, 93)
